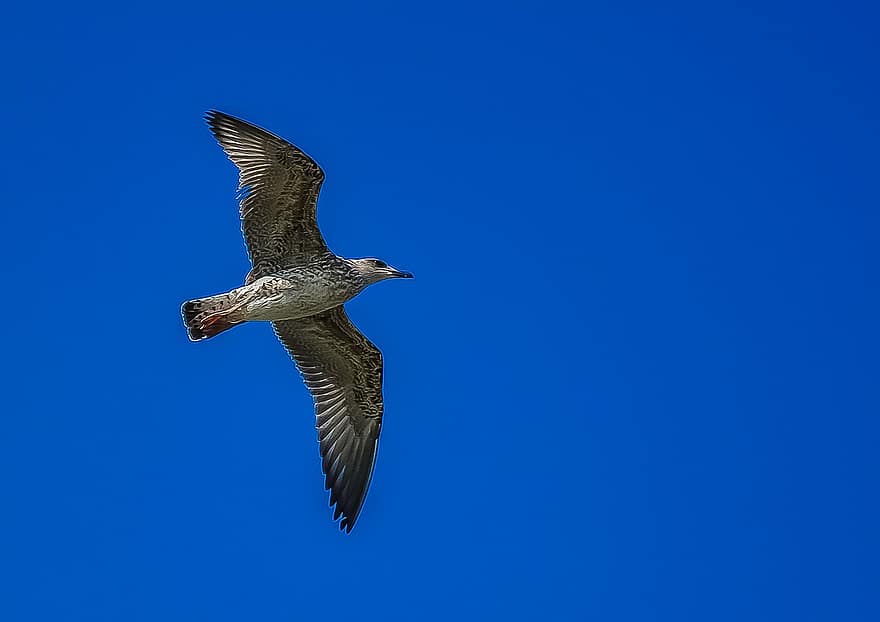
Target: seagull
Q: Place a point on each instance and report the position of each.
(300, 286)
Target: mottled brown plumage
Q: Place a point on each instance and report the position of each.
(300, 286)
(278, 189)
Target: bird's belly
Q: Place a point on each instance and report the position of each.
(291, 303)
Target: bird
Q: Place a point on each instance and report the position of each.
(299, 285)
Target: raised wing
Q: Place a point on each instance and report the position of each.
(343, 372)
(278, 194)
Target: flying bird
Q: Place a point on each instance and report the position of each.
(300, 286)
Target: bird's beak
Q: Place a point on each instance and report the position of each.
(402, 275)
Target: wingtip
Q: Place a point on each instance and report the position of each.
(215, 118)
(348, 520)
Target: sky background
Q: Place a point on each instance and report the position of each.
(635, 378)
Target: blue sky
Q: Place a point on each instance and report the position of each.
(635, 377)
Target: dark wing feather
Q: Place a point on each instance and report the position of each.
(278, 194)
(343, 372)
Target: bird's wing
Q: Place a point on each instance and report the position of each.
(343, 372)
(278, 195)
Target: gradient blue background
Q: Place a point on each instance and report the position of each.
(634, 379)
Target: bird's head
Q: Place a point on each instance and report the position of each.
(373, 270)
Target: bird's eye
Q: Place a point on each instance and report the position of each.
(380, 264)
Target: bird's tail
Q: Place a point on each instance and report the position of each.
(207, 317)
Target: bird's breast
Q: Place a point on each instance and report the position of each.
(295, 296)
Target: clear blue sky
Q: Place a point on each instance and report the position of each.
(635, 378)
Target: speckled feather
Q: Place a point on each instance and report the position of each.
(343, 371)
(278, 195)
(299, 285)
